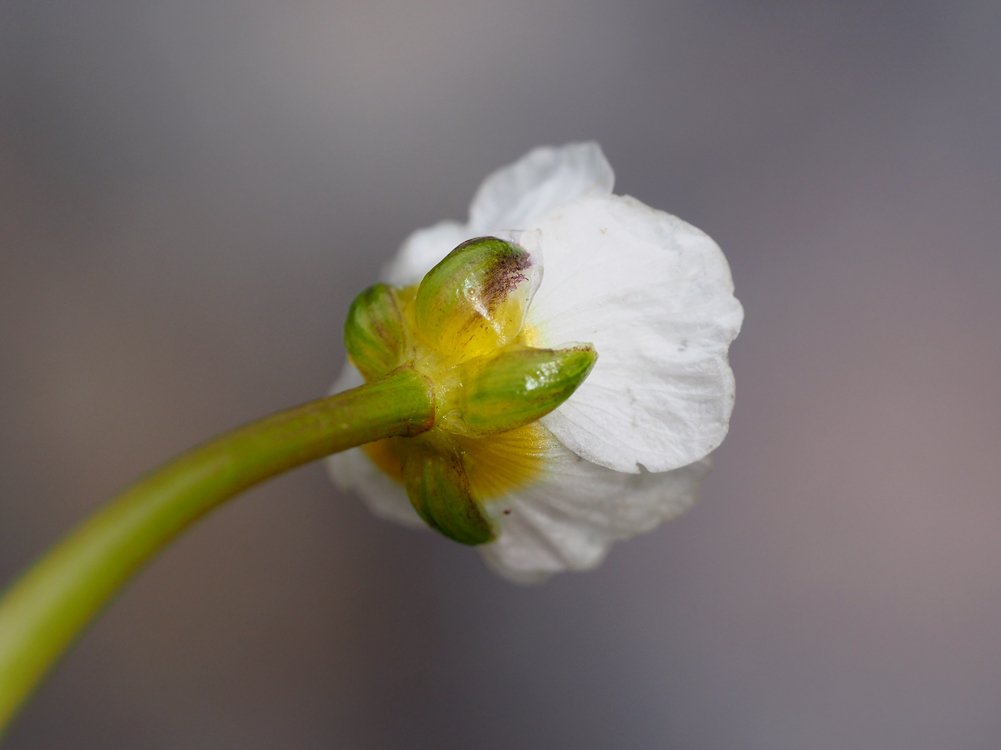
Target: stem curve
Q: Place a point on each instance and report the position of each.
(43, 612)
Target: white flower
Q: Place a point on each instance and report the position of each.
(654, 297)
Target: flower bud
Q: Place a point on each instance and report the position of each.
(475, 299)
(518, 387)
(438, 489)
(374, 331)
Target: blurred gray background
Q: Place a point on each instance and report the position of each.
(190, 195)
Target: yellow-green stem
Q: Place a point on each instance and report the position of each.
(43, 611)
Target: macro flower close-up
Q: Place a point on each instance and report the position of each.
(354, 400)
(577, 342)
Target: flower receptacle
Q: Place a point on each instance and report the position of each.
(462, 329)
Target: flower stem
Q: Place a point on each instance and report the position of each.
(43, 612)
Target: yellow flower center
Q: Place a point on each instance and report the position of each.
(495, 464)
(463, 329)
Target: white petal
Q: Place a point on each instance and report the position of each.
(422, 250)
(568, 519)
(353, 470)
(515, 195)
(507, 200)
(655, 297)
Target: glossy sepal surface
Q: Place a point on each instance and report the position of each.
(374, 332)
(519, 386)
(439, 490)
(476, 298)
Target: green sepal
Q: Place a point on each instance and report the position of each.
(374, 332)
(519, 386)
(475, 298)
(439, 491)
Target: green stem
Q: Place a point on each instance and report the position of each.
(44, 611)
